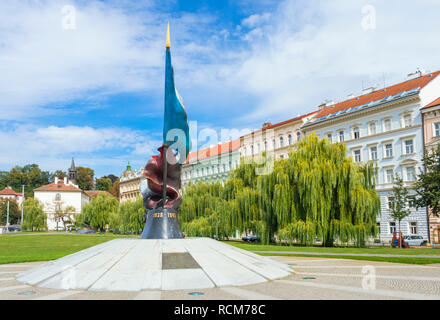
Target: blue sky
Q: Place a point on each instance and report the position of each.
(96, 91)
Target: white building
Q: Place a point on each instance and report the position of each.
(276, 139)
(59, 195)
(209, 165)
(384, 126)
(9, 194)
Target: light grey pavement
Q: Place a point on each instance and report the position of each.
(314, 278)
(352, 254)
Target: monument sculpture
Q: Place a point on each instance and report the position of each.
(161, 260)
(160, 190)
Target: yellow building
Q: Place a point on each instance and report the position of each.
(129, 184)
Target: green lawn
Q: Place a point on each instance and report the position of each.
(402, 259)
(373, 250)
(16, 248)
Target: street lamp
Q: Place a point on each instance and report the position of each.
(22, 205)
(7, 218)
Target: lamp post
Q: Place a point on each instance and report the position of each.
(7, 218)
(22, 205)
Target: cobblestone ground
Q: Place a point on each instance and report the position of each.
(314, 278)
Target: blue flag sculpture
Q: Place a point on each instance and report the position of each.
(175, 126)
(160, 189)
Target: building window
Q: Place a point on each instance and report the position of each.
(390, 175)
(258, 148)
(373, 153)
(387, 125)
(290, 140)
(437, 129)
(281, 142)
(407, 121)
(372, 128)
(392, 227)
(411, 201)
(298, 136)
(252, 150)
(410, 174)
(413, 227)
(341, 136)
(388, 150)
(357, 155)
(409, 146)
(273, 144)
(356, 133)
(57, 207)
(265, 145)
(57, 197)
(329, 137)
(378, 227)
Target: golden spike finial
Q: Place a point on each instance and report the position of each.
(168, 36)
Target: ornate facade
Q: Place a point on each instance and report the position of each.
(211, 164)
(431, 135)
(129, 184)
(384, 126)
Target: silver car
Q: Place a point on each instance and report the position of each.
(415, 240)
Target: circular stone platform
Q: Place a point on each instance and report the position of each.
(172, 264)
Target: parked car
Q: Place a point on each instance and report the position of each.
(252, 238)
(415, 240)
(59, 228)
(13, 229)
(85, 231)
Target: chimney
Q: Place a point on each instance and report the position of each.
(56, 180)
(368, 90)
(65, 180)
(414, 75)
(329, 103)
(266, 125)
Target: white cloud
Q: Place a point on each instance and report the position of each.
(114, 48)
(51, 146)
(309, 51)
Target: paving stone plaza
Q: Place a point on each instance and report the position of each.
(311, 278)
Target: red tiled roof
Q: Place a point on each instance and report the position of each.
(433, 103)
(60, 186)
(9, 192)
(380, 94)
(95, 193)
(271, 126)
(213, 151)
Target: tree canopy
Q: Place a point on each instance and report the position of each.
(428, 182)
(98, 212)
(85, 178)
(14, 212)
(34, 217)
(316, 193)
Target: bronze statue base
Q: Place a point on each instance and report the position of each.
(162, 224)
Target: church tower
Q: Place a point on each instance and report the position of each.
(73, 173)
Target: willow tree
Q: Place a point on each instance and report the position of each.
(98, 212)
(317, 193)
(321, 193)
